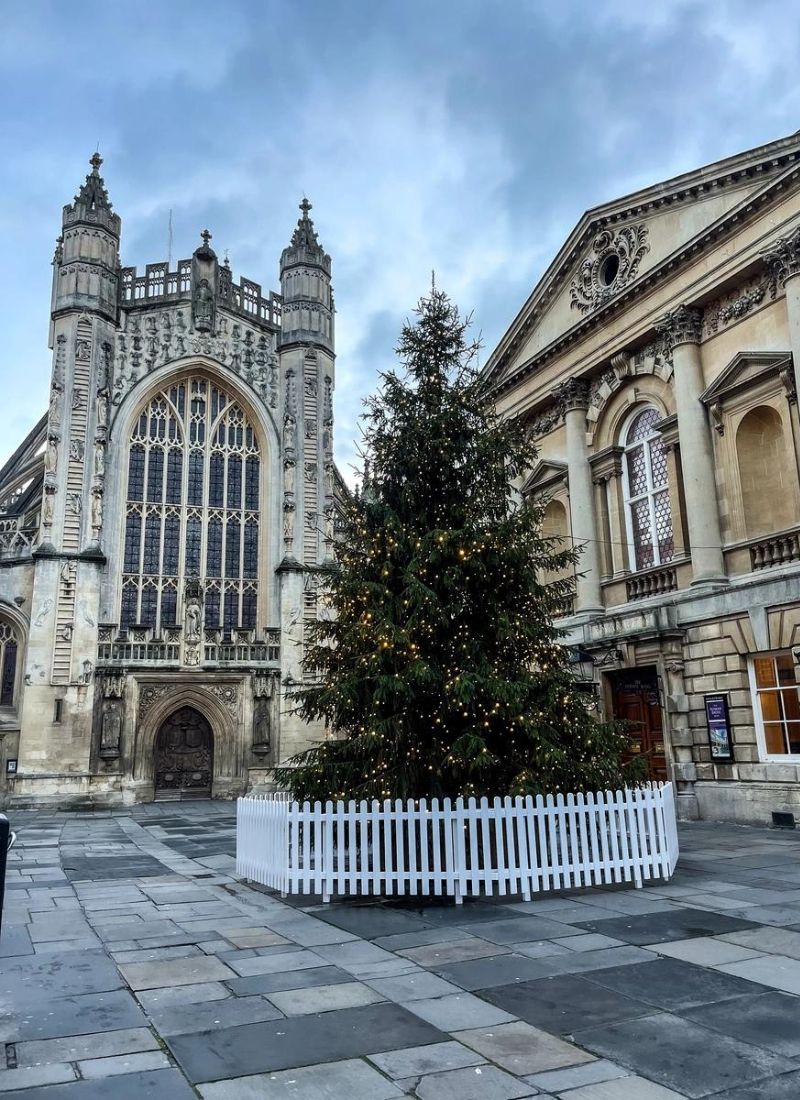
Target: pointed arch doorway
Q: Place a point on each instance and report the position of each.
(184, 756)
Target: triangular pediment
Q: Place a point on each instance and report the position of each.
(621, 247)
(745, 370)
(546, 475)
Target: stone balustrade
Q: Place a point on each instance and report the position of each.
(775, 549)
(652, 582)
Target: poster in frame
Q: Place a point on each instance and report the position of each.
(718, 722)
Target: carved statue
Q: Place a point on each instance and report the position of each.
(86, 674)
(111, 732)
(99, 459)
(102, 409)
(76, 450)
(97, 508)
(288, 476)
(262, 728)
(47, 509)
(74, 503)
(51, 455)
(55, 406)
(203, 307)
(193, 623)
(77, 399)
(288, 524)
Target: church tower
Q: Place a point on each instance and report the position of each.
(306, 350)
(182, 488)
(62, 644)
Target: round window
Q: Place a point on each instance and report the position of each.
(609, 269)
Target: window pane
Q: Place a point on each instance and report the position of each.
(130, 596)
(250, 568)
(172, 528)
(193, 530)
(195, 487)
(637, 472)
(234, 482)
(773, 735)
(642, 539)
(8, 673)
(663, 516)
(248, 609)
(791, 704)
(232, 550)
(251, 484)
(169, 607)
(231, 619)
(214, 554)
(155, 476)
(149, 602)
(212, 610)
(136, 474)
(216, 478)
(152, 545)
(133, 533)
(174, 477)
(765, 672)
(785, 667)
(793, 734)
(658, 463)
(770, 706)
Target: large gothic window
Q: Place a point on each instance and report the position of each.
(8, 664)
(192, 508)
(646, 492)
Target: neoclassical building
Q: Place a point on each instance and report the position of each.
(156, 523)
(656, 363)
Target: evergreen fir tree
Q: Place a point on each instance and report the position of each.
(439, 667)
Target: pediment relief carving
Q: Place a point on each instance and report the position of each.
(745, 372)
(612, 264)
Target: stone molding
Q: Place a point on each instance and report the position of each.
(606, 464)
(683, 325)
(738, 303)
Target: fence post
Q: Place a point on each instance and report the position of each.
(5, 831)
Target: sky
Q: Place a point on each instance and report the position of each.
(461, 136)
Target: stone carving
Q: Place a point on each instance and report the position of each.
(572, 394)
(683, 325)
(97, 509)
(99, 459)
(545, 422)
(76, 450)
(101, 405)
(87, 669)
(51, 454)
(78, 399)
(114, 685)
(310, 473)
(193, 620)
(74, 503)
(83, 350)
(68, 571)
(310, 427)
(59, 367)
(288, 525)
(250, 352)
(54, 412)
(327, 402)
(612, 264)
(44, 611)
(731, 307)
(262, 728)
(48, 506)
(783, 257)
(111, 730)
(150, 695)
(64, 632)
(263, 686)
(203, 307)
(228, 696)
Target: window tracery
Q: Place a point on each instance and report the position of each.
(647, 504)
(192, 508)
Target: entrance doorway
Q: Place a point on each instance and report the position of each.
(636, 701)
(184, 756)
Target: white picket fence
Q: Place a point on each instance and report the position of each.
(506, 846)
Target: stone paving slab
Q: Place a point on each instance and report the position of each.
(301, 1041)
(372, 998)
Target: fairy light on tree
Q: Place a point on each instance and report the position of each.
(440, 668)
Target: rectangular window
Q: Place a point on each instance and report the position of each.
(777, 703)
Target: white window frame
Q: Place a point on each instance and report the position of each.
(649, 494)
(758, 720)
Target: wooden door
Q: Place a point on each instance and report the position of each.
(636, 702)
(184, 756)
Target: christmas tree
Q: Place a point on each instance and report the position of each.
(439, 669)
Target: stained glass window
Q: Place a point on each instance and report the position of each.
(646, 492)
(193, 506)
(8, 664)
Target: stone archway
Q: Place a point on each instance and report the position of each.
(184, 756)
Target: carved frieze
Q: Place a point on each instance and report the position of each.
(737, 303)
(228, 696)
(612, 264)
(150, 694)
(167, 335)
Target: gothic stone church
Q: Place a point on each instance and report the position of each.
(155, 524)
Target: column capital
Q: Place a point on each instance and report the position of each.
(783, 257)
(572, 394)
(683, 325)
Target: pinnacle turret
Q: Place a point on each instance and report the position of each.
(305, 247)
(91, 205)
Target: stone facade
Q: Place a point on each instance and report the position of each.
(656, 364)
(157, 524)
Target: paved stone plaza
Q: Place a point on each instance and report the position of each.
(132, 952)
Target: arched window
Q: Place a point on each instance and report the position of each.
(192, 508)
(647, 505)
(761, 455)
(9, 650)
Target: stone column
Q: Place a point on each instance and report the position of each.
(607, 473)
(573, 398)
(783, 259)
(682, 329)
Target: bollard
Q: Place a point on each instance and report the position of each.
(7, 838)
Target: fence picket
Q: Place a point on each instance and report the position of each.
(508, 846)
